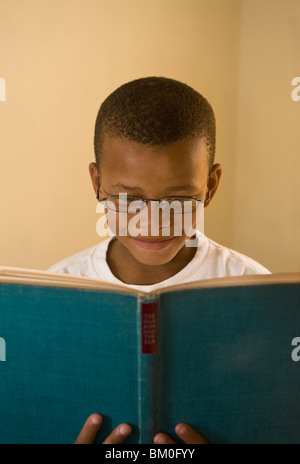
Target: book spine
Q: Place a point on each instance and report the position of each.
(148, 370)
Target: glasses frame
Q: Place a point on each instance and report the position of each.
(145, 201)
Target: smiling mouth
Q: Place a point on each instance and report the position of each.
(152, 244)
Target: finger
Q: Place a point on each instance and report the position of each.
(89, 430)
(163, 439)
(118, 435)
(189, 435)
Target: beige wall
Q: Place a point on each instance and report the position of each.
(61, 58)
(267, 197)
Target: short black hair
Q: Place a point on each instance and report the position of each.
(156, 111)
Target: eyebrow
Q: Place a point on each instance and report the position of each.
(172, 189)
(125, 187)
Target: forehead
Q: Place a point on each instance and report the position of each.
(130, 163)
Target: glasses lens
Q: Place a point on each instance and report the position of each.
(190, 205)
(111, 203)
(178, 205)
(135, 204)
(124, 204)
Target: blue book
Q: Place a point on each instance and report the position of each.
(222, 355)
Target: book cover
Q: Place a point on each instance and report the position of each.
(221, 355)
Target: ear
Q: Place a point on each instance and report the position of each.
(95, 177)
(213, 181)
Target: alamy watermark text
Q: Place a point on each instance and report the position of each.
(158, 218)
(2, 89)
(296, 91)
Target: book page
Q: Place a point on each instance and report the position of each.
(38, 277)
(252, 279)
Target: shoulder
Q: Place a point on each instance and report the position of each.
(81, 263)
(229, 262)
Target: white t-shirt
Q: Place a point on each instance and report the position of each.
(211, 260)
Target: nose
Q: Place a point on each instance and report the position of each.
(154, 222)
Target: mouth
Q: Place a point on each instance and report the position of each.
(152, 244)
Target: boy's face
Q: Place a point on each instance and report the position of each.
(178, 169)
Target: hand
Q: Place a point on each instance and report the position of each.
(91, 427)
(122, 431)
(185, 432)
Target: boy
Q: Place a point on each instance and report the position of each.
(155, 144)
(155, 139)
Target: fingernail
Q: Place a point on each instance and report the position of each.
(124, 430)
(160, 440)
(181, 429)
(96, 420)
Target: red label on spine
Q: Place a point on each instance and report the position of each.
(149, 328)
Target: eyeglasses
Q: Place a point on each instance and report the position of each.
(124, 203)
